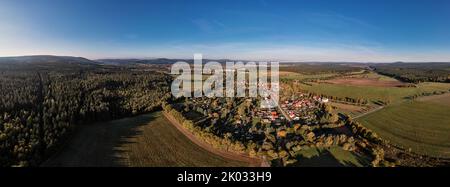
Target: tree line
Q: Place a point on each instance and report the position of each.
(416, 72)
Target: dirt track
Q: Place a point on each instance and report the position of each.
(370, 112)
(254, 162)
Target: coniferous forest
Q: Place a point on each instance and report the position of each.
(42, 103)
(415, 72)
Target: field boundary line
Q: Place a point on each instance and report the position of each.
(370, 112)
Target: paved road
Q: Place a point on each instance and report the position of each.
(284, 114)
(272, 95)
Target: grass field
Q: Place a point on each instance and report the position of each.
(146, 140)
(352, 110)
(372, 93)
(298, 76)
(423, 125)
(331, 157)
(364, 81)
(373, 75)
(438, 99)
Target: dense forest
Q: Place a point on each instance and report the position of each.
(415, 72)
(319, 67)
(42, 103)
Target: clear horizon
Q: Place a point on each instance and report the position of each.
(303, 31)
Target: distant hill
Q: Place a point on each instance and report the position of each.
(159, 61)
(140, 61)
(46, 62)
(44, 59)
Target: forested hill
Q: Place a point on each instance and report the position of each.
(46, 59)
(46, 62)
(415, 72)
(141, 61)
(158, 61)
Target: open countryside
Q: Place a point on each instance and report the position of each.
(142, 141)
(338, 84)
(421, 126)
(115, 119)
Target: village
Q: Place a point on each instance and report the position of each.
(278, 127)
(239, 113)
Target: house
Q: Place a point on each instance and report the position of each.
(274, 117)
(291, 115)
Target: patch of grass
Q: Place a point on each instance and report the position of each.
(256, 120)
(352, 110)
(423, 126)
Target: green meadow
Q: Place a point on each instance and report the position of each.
(421, 126)
(373, 93)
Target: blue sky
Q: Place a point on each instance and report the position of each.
(334, 30)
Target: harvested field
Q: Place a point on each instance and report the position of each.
(365, 82)
(143, 141)
(443, 99)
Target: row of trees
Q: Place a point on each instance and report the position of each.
(40, 108)
(370, 143)
(221, 142)
(415, 96)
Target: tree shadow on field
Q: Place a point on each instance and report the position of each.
(324, 159)
(101, 144)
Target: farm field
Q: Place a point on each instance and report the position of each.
(298, 76)
(365, 81)
(422, 125)
(373, 93)
(143, 141)
(352, 110)
(370, 85)
(373, 75)
(438, 99)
